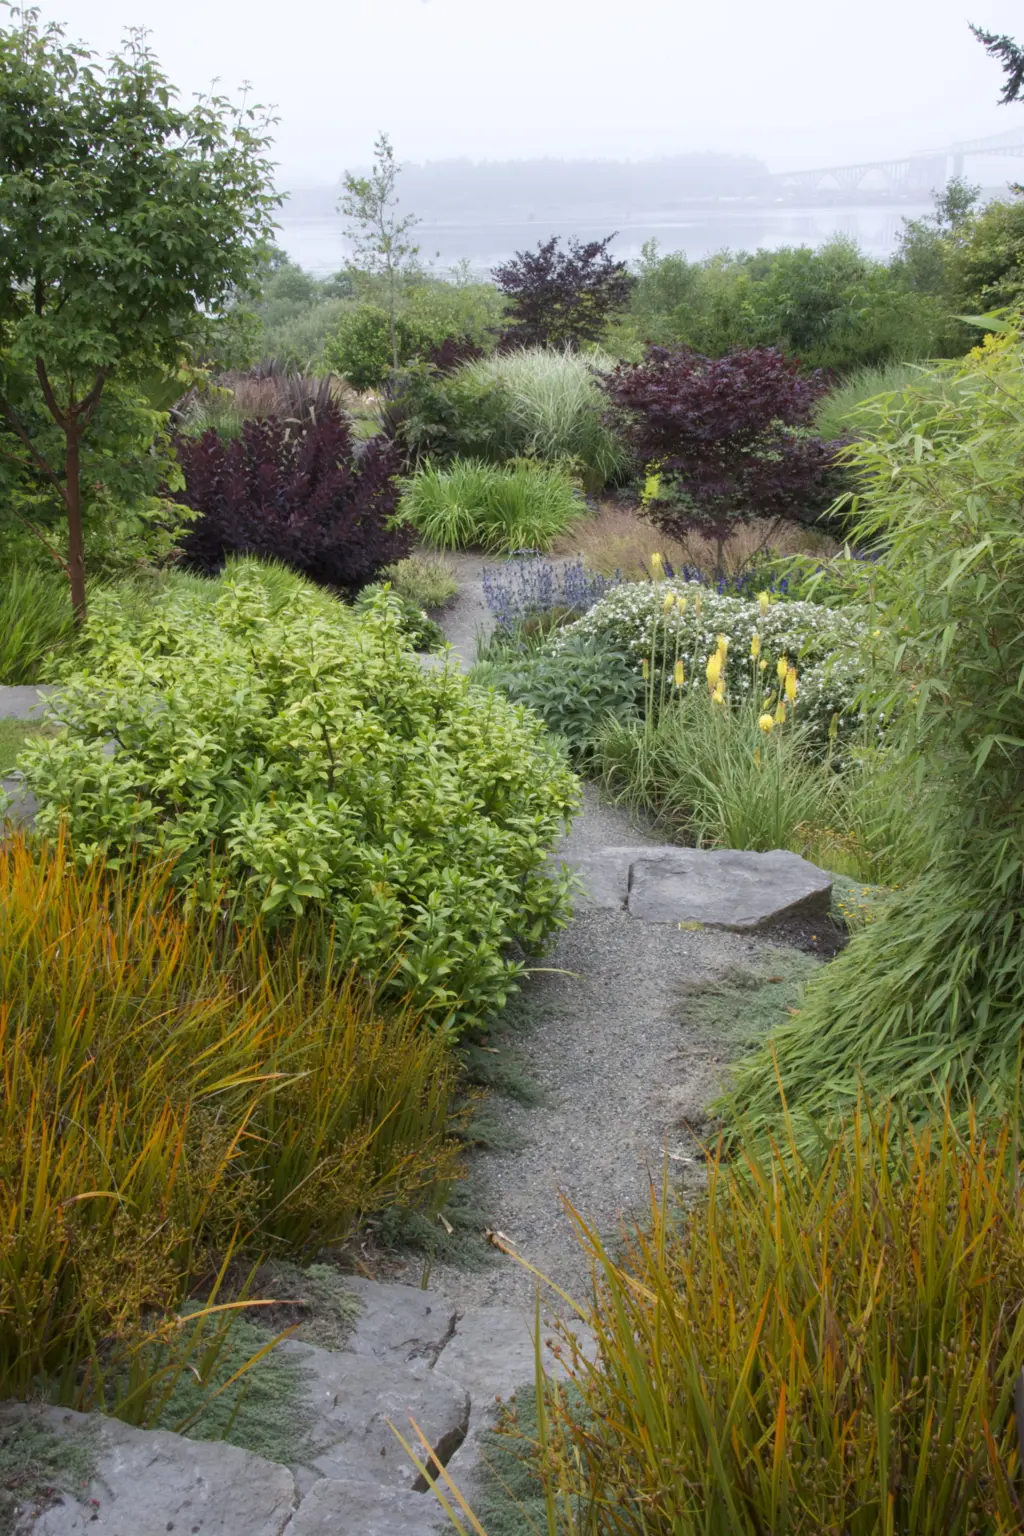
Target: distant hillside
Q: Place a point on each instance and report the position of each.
(509, 190)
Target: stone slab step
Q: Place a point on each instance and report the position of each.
(150, 1482)
(715, 887)
(354, 1396)
(341, 1507)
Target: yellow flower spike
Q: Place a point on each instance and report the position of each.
(757, 757)
(764, 600)
(680, 603)
(767, 724)
(791, 685)
(755, 645)
(713, 670)
(678, 674)
(646, 668)
(718, 697)
(657, 566)
(723, 645)
(780, 713)
(763, 665)
(670, 598)
(781, 668)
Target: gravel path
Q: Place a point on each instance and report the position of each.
(619, 1069)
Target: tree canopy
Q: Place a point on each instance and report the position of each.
(128, 226)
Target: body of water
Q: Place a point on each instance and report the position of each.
(318, 245)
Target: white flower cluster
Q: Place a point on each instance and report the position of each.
(827, 645)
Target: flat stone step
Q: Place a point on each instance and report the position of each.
(148, 1482)
(716, 887)
(341, 1507)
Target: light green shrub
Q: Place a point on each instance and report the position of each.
(307, 754)
(500, 508)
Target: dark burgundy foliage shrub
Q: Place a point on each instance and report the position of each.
(448, 355)
(301, 497)
(728, 434)
(562, 298)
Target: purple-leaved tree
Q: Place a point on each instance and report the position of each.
(562, 298)
(727, 435)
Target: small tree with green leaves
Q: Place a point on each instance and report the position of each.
(128, 226)
(379, 234)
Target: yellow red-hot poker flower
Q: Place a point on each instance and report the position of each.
(645, 668)
(780, 713)
(766, 723)
(713, 670)
(781, 668)
(755, 645)
(678, 675)
(723, 646)
(657, 566)
(718, 696)
(763, 599)
(670, 598)
(791, 685)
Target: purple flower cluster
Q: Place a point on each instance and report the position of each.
(526, 586)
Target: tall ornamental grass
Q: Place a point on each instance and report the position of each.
(553, 408)
(175, 1094)
(929, 999)
(525, 504)
(816, 1346)
(36, 621)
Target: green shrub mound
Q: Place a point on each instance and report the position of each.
(524, 505)
(829, 647)
(304, 752)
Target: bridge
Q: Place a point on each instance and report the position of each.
(912, 173)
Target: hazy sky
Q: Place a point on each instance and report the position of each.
(796, 82)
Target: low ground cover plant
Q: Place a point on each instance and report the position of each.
(824, 1345)
(521, 505)
(578, 694)
(302, 751)
(296, 494)
(178, 1091)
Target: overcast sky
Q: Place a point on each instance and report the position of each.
(796, 82)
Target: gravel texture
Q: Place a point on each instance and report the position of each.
(622, 1074)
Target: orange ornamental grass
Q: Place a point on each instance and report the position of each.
(174, 1092)
(826, 1347)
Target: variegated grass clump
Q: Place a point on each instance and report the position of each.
(176, 1093)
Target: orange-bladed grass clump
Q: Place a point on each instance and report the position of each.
(174, 1092)
(810, 1349)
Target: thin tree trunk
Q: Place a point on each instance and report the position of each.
(76, 546)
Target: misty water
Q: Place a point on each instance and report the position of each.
(318, 243)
